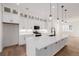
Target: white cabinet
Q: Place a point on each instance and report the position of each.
(10, 34)
(45, 46)
(52, 49)
(10, 13)
(8, 18)
(46, 50)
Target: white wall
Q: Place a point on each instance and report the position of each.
(75, 26)
(0, 31)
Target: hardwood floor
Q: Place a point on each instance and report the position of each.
(14, 51)
(72, 49)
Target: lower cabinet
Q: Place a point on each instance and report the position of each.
(46, 50)
(51, 49)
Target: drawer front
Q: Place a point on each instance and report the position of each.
(51, 49)
(7, 20)
(61, 44)
(10, 18)
(46, 51)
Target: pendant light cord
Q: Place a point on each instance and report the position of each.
(50, 8)
(65, 13)
(57, 12)
(62, 11)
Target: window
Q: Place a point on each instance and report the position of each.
(25, 15)
(6, 9)
(15, 12)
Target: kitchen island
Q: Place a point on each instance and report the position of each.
(45, 45)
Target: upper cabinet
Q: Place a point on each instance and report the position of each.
(6, 9)
(10, 13)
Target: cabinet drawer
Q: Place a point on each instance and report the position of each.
(46, 51)
(10, 18)
(51, 49)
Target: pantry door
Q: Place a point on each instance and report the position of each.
(10, 34)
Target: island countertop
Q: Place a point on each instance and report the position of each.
(43, 41)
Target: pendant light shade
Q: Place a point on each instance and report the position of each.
(50, 17)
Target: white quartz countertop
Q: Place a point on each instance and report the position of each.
(43, 41)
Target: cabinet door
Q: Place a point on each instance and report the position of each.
(41, 52)
(46, 51)
(10, 14)
(61, 44)
(10, 34)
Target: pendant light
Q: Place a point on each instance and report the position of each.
(50, 15)
(57, 12)
(62, 13)
(65, 15)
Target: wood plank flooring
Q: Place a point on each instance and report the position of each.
(72, 49)
(14, 51)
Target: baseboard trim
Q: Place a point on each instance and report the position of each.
(10, 46)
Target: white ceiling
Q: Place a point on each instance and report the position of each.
(42, 9)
